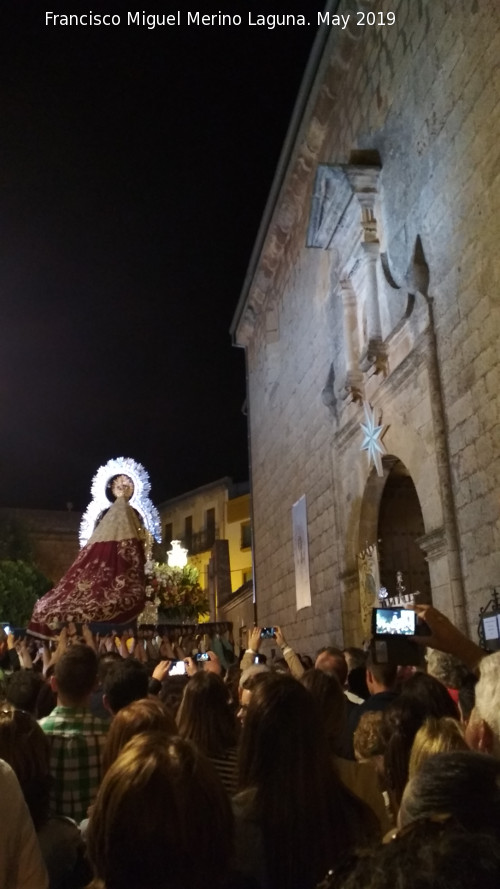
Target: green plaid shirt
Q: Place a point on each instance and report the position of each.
(76, 738)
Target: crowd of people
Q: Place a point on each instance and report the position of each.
(119, 772)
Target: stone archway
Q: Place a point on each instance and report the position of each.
(391, 517)
(400, 526)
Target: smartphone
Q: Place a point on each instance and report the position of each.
(202, 656)
(6, 629)
(267, 633)
(178, 668)
(394, 622)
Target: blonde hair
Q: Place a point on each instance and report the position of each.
(444, 735)
(487, 691)
(367, 739)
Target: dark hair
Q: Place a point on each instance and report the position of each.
(25, 747)
(145, 830)
(76, 672)
(357, 656)
(306, 661)
(306, 817)
(384, 674)
(356, 682)
(205, 715)
(106, 662)
(172, 689)
(327, 692)
(421, 697)
(432, 855)
(23, 688)
(429, 696)
(463, 784)
(125, 682)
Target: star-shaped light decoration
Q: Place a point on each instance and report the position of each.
(372, 441)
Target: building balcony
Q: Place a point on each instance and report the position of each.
(200, 542)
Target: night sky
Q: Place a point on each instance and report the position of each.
(135, 165)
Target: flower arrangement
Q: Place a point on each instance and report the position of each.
(177, 592)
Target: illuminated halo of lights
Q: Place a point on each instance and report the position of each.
(140, 499)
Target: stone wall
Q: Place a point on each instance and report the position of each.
(53, 536)
(420, 101)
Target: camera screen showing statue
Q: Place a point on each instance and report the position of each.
(394, 622)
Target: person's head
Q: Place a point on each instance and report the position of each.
(483, 730)
(431, 854)
(367, 740)
(126, 681)
(326, 690)
(429, 696)
(435, 736)
(465, 785)
(140, 717)
(354, 657)
(205, 715)
(121, 486)
(356, 683)
(283, 758)
(75, 675)
(25, 747)
(162, 818)
(306, 661)
(400, 723)
(332, 660)
(171, 692)
(446, 668)
(23, 688)
(422, 697)
(380, 677)
(106, 662)
(250, 679)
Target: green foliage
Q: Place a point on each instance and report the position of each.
(21, 584)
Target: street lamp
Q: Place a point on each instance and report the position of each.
(177, 556)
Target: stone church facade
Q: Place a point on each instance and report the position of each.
(375, 286)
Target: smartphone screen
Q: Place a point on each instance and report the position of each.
(267, 633)
(394, 622)
(178, 668)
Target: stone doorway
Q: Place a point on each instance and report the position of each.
(400, 524)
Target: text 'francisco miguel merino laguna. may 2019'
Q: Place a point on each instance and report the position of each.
(182, 18)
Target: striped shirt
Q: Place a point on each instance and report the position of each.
(77, 739)
(227, 768)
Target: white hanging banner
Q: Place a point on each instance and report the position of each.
(301, 554)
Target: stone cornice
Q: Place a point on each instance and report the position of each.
(284, 236)
(433, 544)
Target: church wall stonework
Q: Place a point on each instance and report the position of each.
(386, 290)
